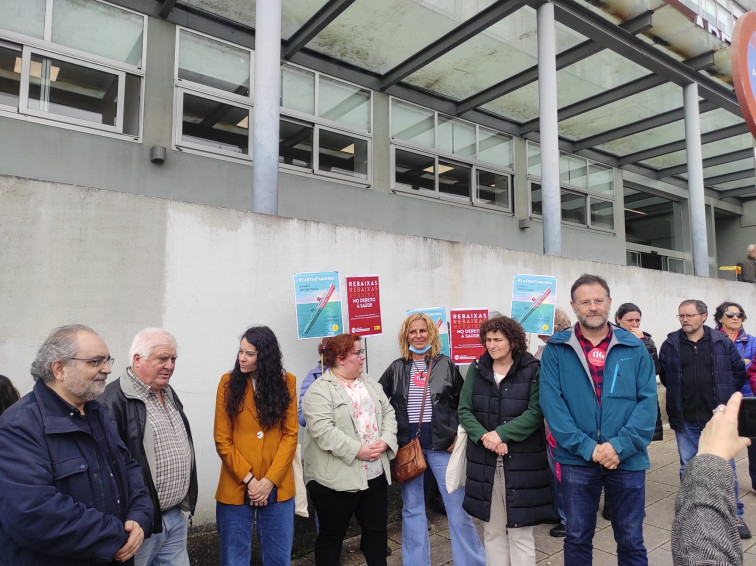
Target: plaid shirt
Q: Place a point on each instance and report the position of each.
(597, 372)
(173, 451)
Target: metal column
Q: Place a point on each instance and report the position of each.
(551, 200)
(696, 204)
(267, 107)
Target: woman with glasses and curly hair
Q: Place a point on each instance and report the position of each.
(256, 438)
(404, 384)
(729, 319)
(508, 484)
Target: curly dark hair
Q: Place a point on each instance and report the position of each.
(721, 309)
(339, 346)
(271, 394)
(511, 330)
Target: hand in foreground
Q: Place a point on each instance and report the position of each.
(369, 453)
(491, 440)
(379, 445)
(502, 449)
(637, 332)
(135, 540)
(451, 446)
(720, 437)
(606, 456)
(258, 491)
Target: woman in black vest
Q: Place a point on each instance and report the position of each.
(506, 445)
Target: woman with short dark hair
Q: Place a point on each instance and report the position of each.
(8, 393)
(508, 484)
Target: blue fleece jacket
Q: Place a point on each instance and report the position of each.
(626, 415)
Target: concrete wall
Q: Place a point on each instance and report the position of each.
(119, 262)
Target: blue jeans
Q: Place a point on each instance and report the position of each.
(581, 491)
(687, 446)
(466, 546)
(275, 529)
(168, 547)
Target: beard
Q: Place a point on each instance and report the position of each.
(593, 321)
(87, 390)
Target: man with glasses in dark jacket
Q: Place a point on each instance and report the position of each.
(701, 369)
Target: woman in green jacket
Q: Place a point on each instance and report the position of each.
(349, 440)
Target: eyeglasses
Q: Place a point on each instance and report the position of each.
(99, 361)
(687, 316)
(358, 353)
(587, 304)
(734, 314)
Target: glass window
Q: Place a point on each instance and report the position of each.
(573, 171)
(98, 28)
(493, 188)
(456, 136)
(10, 76)
(495, 148)
(298, 89)
(25, 16)
(602, 214)
(342, 154)
(675, 265)
(573, 207)
(215, 124)
(414, 171)
(536, 198)
(650, 220)
(454, 179)
(534, 159)
(412, 124)
(600, 179)
(295, 144)
(78, 92)
(344, 103)
(213, 63)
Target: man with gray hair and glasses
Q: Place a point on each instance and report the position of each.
(152, 423)
(70, 493)
(748, 272)
(701, 369)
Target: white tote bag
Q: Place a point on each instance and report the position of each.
(456, 471)
(300, 493)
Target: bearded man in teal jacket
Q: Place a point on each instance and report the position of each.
(598, 395)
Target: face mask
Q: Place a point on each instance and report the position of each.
(416, 351)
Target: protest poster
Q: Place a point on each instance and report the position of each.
(533, 298)
(363, 305)
(318, 302)
(464, 327)
(438, 316)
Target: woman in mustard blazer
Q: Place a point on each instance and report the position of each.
(256, 437)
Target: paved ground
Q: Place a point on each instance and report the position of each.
(662, 483)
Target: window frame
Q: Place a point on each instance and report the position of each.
(26, 45)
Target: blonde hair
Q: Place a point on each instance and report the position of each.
(433, 335)
(561, 320)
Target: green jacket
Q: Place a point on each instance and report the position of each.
(331, 437)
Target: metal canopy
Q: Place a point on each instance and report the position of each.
(621, 69)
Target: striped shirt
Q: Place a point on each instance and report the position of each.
(418, 375)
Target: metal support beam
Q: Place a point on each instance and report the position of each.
(551, 195)
(729, 177)
(639, 126)
(739, 192)
(636, 25)
(475, 25)
(709, 162)
(604, 32)
(267, 108)
(166, 8)
(671, 147)
(696, 197)
(699, 62)
(312, 27)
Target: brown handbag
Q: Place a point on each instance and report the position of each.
(409, 462)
